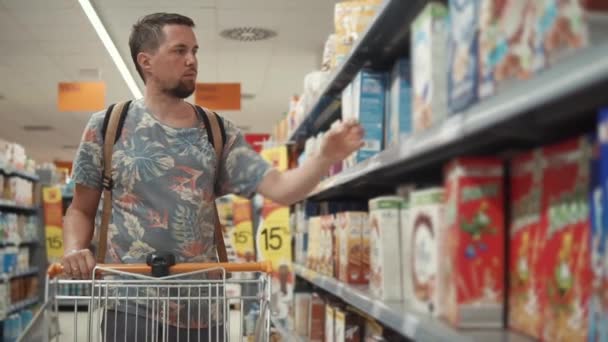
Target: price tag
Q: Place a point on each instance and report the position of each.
(53, 219)
(242, 233)
(274, 237)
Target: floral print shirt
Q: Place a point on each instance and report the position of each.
(164, 184)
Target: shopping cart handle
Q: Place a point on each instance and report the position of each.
(56, 269)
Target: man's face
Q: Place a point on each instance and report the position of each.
(174, 65)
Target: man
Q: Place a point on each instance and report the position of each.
(164, 167)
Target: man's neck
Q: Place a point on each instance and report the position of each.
(168, 109)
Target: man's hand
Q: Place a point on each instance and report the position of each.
(294, 185)
(78, 264)
(342, 140)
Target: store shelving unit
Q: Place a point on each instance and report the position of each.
(10, 171)
(285, 333)
(21, 273)
(10, 207)
(547, 107)
(16, 307)
(386, 38)
(401, 318)
(558, 102)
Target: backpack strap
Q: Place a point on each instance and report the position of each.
(216, 134)
(113, 121)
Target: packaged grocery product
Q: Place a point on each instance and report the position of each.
(384, 215)
(405, 232)
(316, 331)
(314, 242)
(566, 288)
(462, 54)
(347, 326)
(302, 314)
(507, 29)
(329, 53)
(425, 229)
(471, 273)
(526, 243)
(327, 243)
(399, 114)
(330, 313)
(562, 28)
(369, 91)
(598, 303)
(429, 60)
(366, 233)
(349, 226)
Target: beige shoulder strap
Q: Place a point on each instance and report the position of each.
(218, 144)
(108, 146)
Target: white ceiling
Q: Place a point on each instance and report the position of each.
(43, 42)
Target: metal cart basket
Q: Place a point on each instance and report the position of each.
(122, 302)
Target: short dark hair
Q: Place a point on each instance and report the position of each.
(147, 33)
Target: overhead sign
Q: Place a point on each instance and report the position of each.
(256, 140)
(218, 96)
(81, 96)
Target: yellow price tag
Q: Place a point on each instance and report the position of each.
(54, 242)
(242, 240)
(274, 238)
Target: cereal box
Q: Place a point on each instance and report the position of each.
(316, 330)
(349, 226)
(399, 114)
(429, 41)
(425, 229)
(506, 42)
(366, 232)
(369, 97)
(565, 258)
(598, 305)
(327, 243)
(302, 314)
(406, 284)
(561, 29)
(472, 253)
(462, 54)
(314, 243)
(385, 282)
(330, 317)
(526, 243)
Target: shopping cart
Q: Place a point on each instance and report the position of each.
(222, 305)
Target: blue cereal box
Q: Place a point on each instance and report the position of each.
(399, 113)
(598, 304)
(429, 60)
(369, 91)
(462, 54)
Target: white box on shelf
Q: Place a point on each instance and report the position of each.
(429, 62)
(424, 230)
(369, 91)
(385, 281)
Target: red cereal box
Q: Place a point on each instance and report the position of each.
(471, 269)
(565, 257)
(526, 243)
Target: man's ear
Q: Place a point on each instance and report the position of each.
(144, 60)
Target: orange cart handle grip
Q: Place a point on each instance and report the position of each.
(56, 269)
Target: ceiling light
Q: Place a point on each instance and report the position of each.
(248, 34)
(37, 128)
(110, 47)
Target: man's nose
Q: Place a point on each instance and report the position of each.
(190, 59)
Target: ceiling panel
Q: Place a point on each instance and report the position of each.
(38, 4)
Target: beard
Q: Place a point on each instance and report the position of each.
(182, 90)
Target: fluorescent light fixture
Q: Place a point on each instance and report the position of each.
(109, 44)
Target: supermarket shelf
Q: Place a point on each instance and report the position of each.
(559, 102)
(21, 243)
(8, 171)
(22, 305)
(12, 207)
(399, 317)
(24, 273)
(386, 38)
